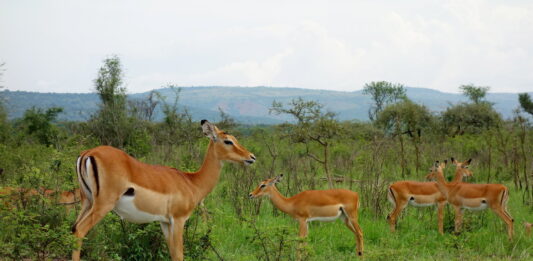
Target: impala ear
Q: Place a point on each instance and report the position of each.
(454, 162)
(276, 179)
(468, 161)
(209, 130)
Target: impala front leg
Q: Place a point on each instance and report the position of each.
(458, 218)
(303, 227)
(440, 214)
(175, 246)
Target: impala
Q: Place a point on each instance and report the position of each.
(421, 194)
(66, 198)
(527, 227)
(475, 197)
(141, 193)
(321, 205)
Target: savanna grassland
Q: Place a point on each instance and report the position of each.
(315, 151)
(238, 228)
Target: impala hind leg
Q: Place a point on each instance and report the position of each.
(507, 219)
(91, 218)
(392, 218)
(351, 221)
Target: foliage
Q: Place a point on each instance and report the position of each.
(525, 102)
(360, 157)
(314, 126)
(469, 118)
(39, 124)
(405, 116)
(475, 93)
(113, 124)
(383, 93)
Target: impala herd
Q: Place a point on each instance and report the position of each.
(111, 180)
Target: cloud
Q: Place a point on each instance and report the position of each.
(337, 45)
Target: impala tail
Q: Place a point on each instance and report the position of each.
(87, 171)
(505, 198)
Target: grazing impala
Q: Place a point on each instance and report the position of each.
(322, 205)
(421, 194)
(475, 197)
(142, 193)
(11, 195)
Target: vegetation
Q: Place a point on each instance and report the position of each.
(383, 93)
(361, 156)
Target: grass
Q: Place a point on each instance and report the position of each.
(483, 236)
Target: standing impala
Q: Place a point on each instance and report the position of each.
(322, 205)
(422, 194)
(475, 197)
(142, 193)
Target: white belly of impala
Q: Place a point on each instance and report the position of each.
(127, 210)
(415, 204)
(327, 219)
(482, 206)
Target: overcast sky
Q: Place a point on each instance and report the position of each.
(58, 46)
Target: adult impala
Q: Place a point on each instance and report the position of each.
(142, 193)
(475, 197)
(422, 194)
(321, 205)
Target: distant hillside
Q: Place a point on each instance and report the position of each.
(245, 104)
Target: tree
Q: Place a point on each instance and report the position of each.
(38, 123)
(475, 93)
(525, 102)
(383, 93)
(313, 126)
(111, 124)
(3, 113)
(144, 108)
(408, 118)
(469, 118)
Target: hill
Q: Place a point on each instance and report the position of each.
(245, 104)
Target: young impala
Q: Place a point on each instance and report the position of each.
(142, 193)
(475, 197)
(322, 205)
(421, 194)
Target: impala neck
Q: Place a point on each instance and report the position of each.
(458, 176)
(207, 177)
(279, 201)
(441, 183)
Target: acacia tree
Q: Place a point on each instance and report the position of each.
(383, 93)
(313, 126)
(475, 93)
(406, 118)
(474, 117)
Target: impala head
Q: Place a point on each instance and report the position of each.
(432, 175)
(462, 167)
(265, 187)
(226, 146)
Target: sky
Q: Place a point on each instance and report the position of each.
(58, 46)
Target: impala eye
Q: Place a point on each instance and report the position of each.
(262, 186)
(228, 142)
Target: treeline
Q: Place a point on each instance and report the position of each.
(401, 141)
